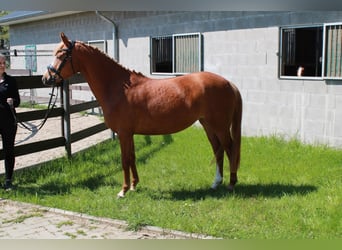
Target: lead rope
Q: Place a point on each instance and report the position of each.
(50, 107)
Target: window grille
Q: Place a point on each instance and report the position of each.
(162, 54)
(333, 52)
(176, 54)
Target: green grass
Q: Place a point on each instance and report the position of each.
(286, 190)
(32, 105)
(22, 218)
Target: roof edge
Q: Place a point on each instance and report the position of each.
(30, 16)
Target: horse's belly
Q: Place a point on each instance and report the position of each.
(168, 125)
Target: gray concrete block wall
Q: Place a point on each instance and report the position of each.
(241, 46)
(305, 109)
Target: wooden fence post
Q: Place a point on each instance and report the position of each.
(66, 117)
(61, 99)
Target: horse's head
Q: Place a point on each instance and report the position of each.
(62, 66)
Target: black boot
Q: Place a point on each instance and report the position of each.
(8, 185)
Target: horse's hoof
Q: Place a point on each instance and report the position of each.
(121, 194)
(133, 187)
(215, 185)
(230, 188)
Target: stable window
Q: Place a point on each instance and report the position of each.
(176, 54)
(311, 52)
(301, 52)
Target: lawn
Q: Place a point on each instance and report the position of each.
(286, 190)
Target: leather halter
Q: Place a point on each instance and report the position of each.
(57, 72)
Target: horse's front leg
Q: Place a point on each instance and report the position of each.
(135, 177)
(134, 171)
(128, 162)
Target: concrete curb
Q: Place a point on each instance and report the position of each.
(120, 224)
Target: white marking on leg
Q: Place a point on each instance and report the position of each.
(121, 194)
(218, 178)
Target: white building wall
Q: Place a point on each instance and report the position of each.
(135, 55)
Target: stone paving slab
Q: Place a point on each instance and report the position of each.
(26, 221)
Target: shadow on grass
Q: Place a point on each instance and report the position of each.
(62, 188)
(152, 148)
(27, 177)
(273, 190)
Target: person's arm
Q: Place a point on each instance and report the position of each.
(15, 93)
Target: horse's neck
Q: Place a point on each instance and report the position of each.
(96, 65)
(104, 76)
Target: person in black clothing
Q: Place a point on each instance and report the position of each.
(9, 100)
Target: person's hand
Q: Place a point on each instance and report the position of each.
(10, 101)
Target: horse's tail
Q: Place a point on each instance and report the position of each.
(236, 132)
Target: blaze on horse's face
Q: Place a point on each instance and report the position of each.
(62, 66)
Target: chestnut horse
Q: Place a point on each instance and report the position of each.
(135, 104)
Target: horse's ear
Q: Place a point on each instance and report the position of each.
(65, 39)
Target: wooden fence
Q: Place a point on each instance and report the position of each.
(64, 111)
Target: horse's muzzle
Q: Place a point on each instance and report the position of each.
(50, 81)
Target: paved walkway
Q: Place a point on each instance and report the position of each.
(26, 221)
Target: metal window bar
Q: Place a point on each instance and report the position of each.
(288, 48)
(333, 51)
(176, 54)
(187, 53)
(21, 52)
(161, 50)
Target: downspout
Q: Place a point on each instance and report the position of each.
(115, 46)
(115, 40)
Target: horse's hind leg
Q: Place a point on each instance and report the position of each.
(218, 152)
(228, 144)
(221, 140)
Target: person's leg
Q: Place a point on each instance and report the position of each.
(8, 138)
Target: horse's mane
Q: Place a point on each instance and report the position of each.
(97, 50)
